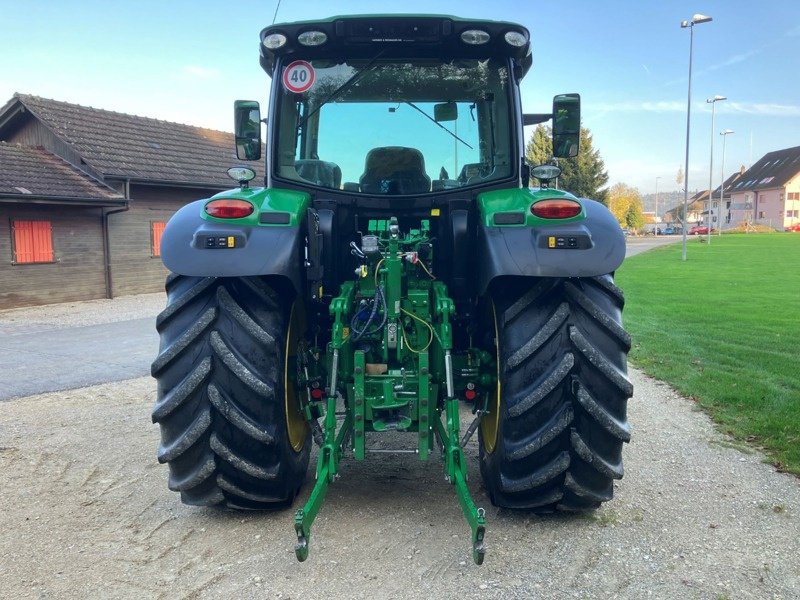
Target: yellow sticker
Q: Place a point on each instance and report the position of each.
(231, 241)
(435, 212)
(345, 332)
(551, 241)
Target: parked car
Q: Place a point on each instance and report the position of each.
(700, 230)
(795, 227)
(669, 231)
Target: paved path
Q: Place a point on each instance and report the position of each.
(637, 245)
(39, 358)
(36, 358)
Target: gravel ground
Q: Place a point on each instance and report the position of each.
(88, 312)
(86, 514)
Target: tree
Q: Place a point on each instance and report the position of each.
(634, 218)
(625, 203)
(679, 176)
(539, 149)
(618, 200)
(584, 175)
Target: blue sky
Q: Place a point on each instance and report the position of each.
(187, 61)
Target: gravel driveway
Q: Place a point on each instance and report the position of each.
(85, 513)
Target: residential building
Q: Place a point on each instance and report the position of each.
(85, 194)
(768, 193)
(694, 210)
(721, 210)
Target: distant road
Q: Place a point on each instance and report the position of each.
(35, 359)
(637, 245)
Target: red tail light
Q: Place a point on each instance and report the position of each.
(556, 208)
(229, 209)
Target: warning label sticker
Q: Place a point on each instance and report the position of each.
(298, 77)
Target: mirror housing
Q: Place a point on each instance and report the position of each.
(445, 111)
(247, 129)
(566, 125)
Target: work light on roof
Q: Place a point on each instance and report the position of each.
(241, 174)
(545, 172)
(274, 41)
(516, 39)
(312, 38)
(475, 37)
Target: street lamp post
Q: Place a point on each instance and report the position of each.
(656, 219)
(724, 135)
(713, 102)
(695, 20)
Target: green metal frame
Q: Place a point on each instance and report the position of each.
(404, 378)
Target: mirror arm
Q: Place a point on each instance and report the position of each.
(535, 118)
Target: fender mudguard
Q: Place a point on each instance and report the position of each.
(191, 245)
(592, 246)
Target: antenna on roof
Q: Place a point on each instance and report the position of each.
(275, 16)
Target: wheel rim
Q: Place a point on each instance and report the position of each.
(490, 423)
(296, 424)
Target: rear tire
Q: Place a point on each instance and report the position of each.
(556, 441)
(222, 400)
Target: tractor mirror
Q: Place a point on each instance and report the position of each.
(446, 111)
(566, 125)
(247, 125)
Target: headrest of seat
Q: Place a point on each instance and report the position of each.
(385, 162)
(321, 172)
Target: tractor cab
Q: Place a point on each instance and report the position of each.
(395, 106)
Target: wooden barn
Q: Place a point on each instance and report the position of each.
(85, 194)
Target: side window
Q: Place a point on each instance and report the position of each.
(156, 231)
(32, 242)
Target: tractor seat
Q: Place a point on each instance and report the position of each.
(394, 170)
(326, 174)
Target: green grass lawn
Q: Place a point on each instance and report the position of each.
(724, 328)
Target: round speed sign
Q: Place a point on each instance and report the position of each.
(298, 77)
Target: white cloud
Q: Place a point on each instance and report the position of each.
(196, 72)
(733, 60)
(762, 108)
(640, 106)
(766, 109)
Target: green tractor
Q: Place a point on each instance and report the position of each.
(394, 266)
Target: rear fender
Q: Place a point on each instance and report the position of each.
(271, 241)
(512, 242)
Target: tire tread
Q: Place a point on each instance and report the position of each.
(564, 385)
(220, 402)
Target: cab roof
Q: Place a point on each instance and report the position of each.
(397, 36)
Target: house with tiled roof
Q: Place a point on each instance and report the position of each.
(698, 205)
(721, 200)
(768, 193)
(86, 192)
(694, 209)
